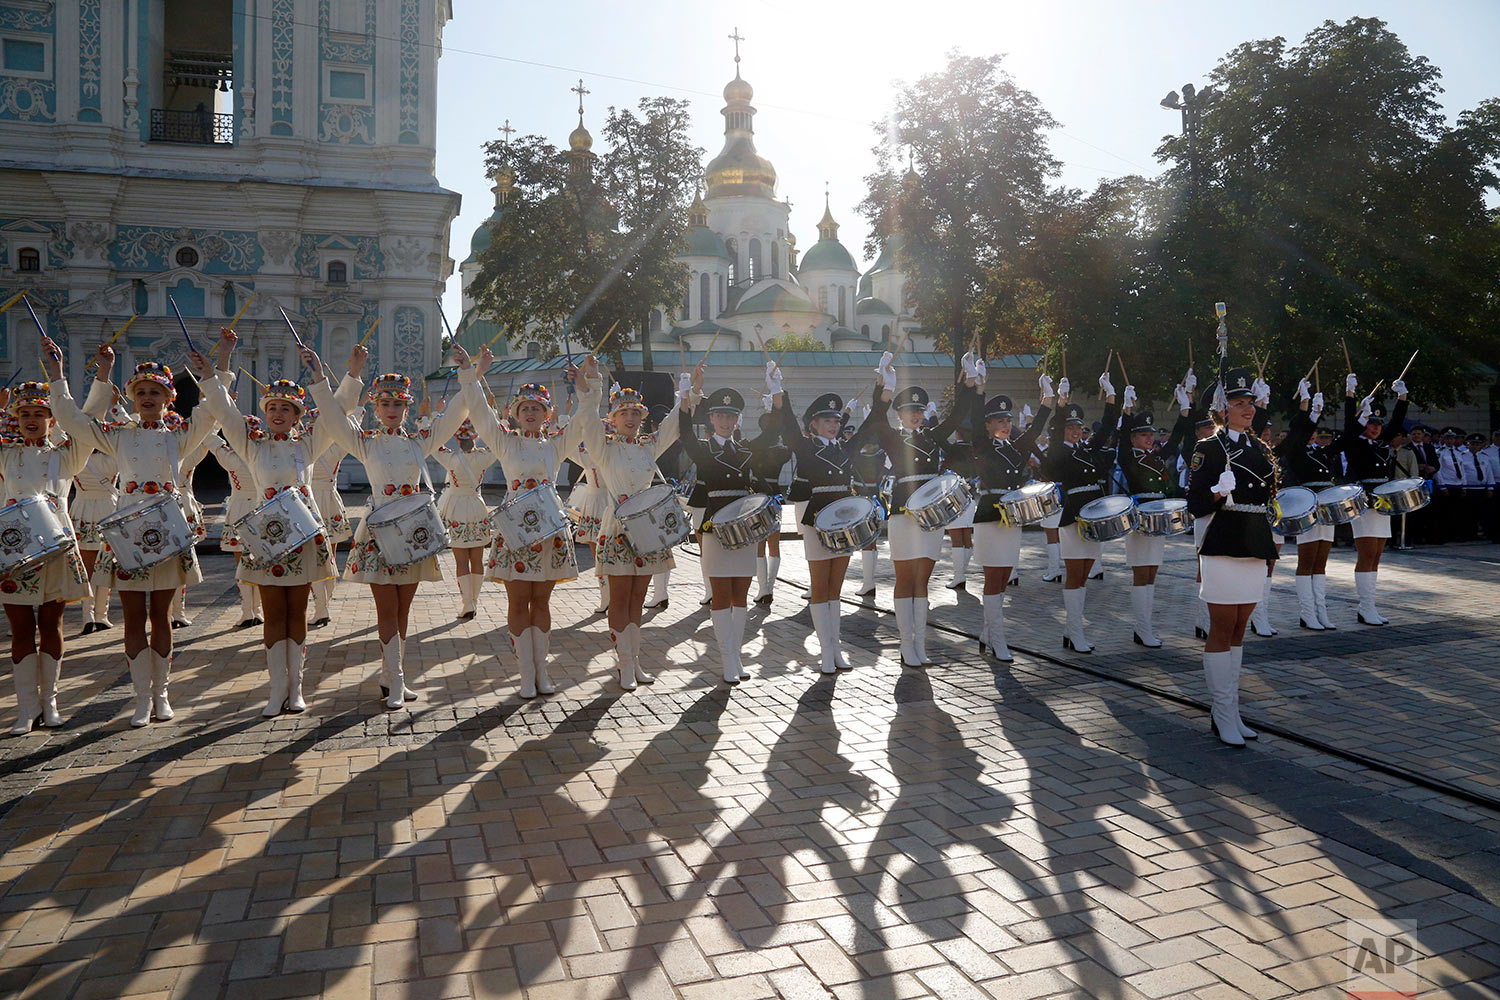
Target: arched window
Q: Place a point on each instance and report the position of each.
(687, 297)
(864, 331)
(776, 259)
(823, 299)
(722, 303)
(705, 289)
(28, 259)
(734, 259)
(885, 334)
(842, 292)
(752, 263)
(655, 320)
(338, 272)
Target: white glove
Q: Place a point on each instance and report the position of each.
(888, 380)
(885, 363)
(982, 370)
(1262, 390)
(1316, 409)
(768, 401)
(1130, 399)
(1026, 415)
(1190, 382)
(1104, 383)
(773, 384)
(563, 420)
(1398, 387)
(1304, 389)
(1044, 383)
(1225, 485)
(1364, 410)
(1351, 383)
(967, 362)
(684, 383)
(1180, 397)
(930, 412)
(1063, 388)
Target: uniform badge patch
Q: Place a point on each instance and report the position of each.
(1197, 460)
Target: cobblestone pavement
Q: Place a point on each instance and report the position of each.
(972, 830)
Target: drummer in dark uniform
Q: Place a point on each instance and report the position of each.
(726, 472)
(1232, 481)
(1367, 457)
(1080, 471)
(1313, 461)
(825, 461)
(915, 454)
(1150, 474)
(1001, 461)
(768, 470)
(869, 472)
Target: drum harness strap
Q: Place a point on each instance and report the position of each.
(833, 489)
(1084, 489)
(1150, 496)
(919, 477)
(1245, 508)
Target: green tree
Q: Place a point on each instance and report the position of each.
(586, 247)
(794, 342)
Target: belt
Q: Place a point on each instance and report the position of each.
(1245, 508)
(150, 487)
(1083, 489)
(832, 489)
(1150, 496)
(921, 476)
(728, 493)
(1321, 486)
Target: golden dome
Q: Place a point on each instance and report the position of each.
(738, 90)
(579, 140)
(739, 169)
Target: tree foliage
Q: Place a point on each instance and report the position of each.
(795, 342)
(589, 241)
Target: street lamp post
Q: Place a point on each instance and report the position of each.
(1191, 104)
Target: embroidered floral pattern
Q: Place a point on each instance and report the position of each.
(552, 559)
(617, 551)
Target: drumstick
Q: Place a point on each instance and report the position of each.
(605, 337)
(111, 340)
(788, 347)
(503, 331)
(1121, 359)
(370, 332)
(711, 343)
(12, 300)
(242, 311)
(251, 377)
(1311, 368)
(1408, 365)
(1317, 378)
(178, 313)
(1065, 363)
(1347, 363)
(1190, 355)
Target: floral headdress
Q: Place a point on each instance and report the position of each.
(153, 371)
(392, 386)
(466, 431)
(285, 389)
(29, 394)
(622, 399)
(533, 392)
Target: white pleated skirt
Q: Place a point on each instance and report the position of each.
(1144, 550)
(721, 562)
(1074, 546)
(965, 519)
(799, 509)
(1317, 533)
(1054, 521)
(909, 541)
(997, 545)
(1231, 580)
(1372, 524)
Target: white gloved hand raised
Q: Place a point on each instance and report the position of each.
(1398, 387)
(1316, 409)
(982, 370)
(1226, 483)
(930, 412)
(1063, 387)
(1106, 385)
(1304, 389)
(885, 363)
(1026, 412)
(888, 380)
(1350, 383)
(967, 363)
(1130, 397)
(768, 401)
(1044, 383)
(684, 383)
(1262, 390)
(1190, 382)
(1180, 397)
(773, 384)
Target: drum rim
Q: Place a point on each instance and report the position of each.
(872, 511)
(1345, 491)
(770, 502)
(641, 492)
(1129, 506)
(417, 501)
(1149, 507)
(135, 510)
(956, 478)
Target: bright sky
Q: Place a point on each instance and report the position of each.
(824, 70)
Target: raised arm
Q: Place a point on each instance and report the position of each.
(231, 422)
(444, 425)
(693, 447)
(486, 421)
(944, 430)
(670, 431)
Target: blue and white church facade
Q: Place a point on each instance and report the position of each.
(213, 150)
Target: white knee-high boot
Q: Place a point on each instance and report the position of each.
(410, 663)
(101, 605)
(904, 615)
(392, 683)
(1320, 600)
(624, 668)
(708, 587)
(88, 614)
(296, 657)
(960, 566)
(633, 644)
(161, 676)
(660, 583)
(321, 591)
(919, 607)
(1054, 562)
(28, 694)
(867, 566)
(140, 682)
(541, 649)
(1260, 618)
(994, 627)
(762, 577)
(834, 619)
(603, 592)
(1073, 602)
(276, 688)
(825, 638)
(1307, 607)
(1236, 657)
(773, 570)
(1364, 585)
(737, 617)
(1204, 623)
(723, 621)
(247, 603)
(1141, 600)
(1218, 675)
(51, 672)
(526, 658)
(469, 596)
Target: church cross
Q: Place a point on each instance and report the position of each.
(737, 37)
(580, 90)
(506, 130)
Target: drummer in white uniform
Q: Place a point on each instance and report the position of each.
(241, 501)
(279, 458)
(1150, 474)
(626, 462)
(395, 461)
(1367, 456)
(95, 492)
(336, 523)
(194, 509)
(35, 467)
(464, 511)
(531, 456)
(147, 453)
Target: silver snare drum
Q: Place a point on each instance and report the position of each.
(529, 518)
(848, 525)
(654, 520)
(1107, 518)
(278, 526)
(1168, 516)
(1402, 496)
(939, 501)
(1032, 503)
(32, 530)
(1294, 511)
(149, 533)
(1341, 504)
(407, 530)
(746, 521)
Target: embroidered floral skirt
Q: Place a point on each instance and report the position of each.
(467, 518)
(308, 563)
(617, 557)
(365, 564)
(335, 521)
(87, 511)
(585, 507)
(237, 506)
(61, 578)
(551, 560)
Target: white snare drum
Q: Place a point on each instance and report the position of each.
(1106, 519)
(939, 501)
(530, 517)
(1402, 496)
(654, 519)
(848, 524)
(278, 526)
(1031, 504)
(149, 533)
(1342, 504)
(1294, 511)
(1168, 516)
(407, 530)
(32, 530)
(746, 521)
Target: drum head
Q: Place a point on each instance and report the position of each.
(1398, 486)
(934, 489)
(1169, 505)
(1338, 494)
(735, 509)
(1105, 507)
(843, 513)
(1295, 501)
(124, 513)
(644, 500)
(1029, 491)
(399, 507)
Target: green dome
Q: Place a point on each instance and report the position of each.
(827, 255)
(483, 237)
(872, 306)
(704, 242)
(773, 299)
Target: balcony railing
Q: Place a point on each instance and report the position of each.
(201, 127)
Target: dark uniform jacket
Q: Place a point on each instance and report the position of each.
(1368, 460)
(1152, 474)
(1080, 471)
(826, 470)
(1316, 468)
(726, 472)
(1240, 530)
(1001, 464)
(869, 469)
(915, 456)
